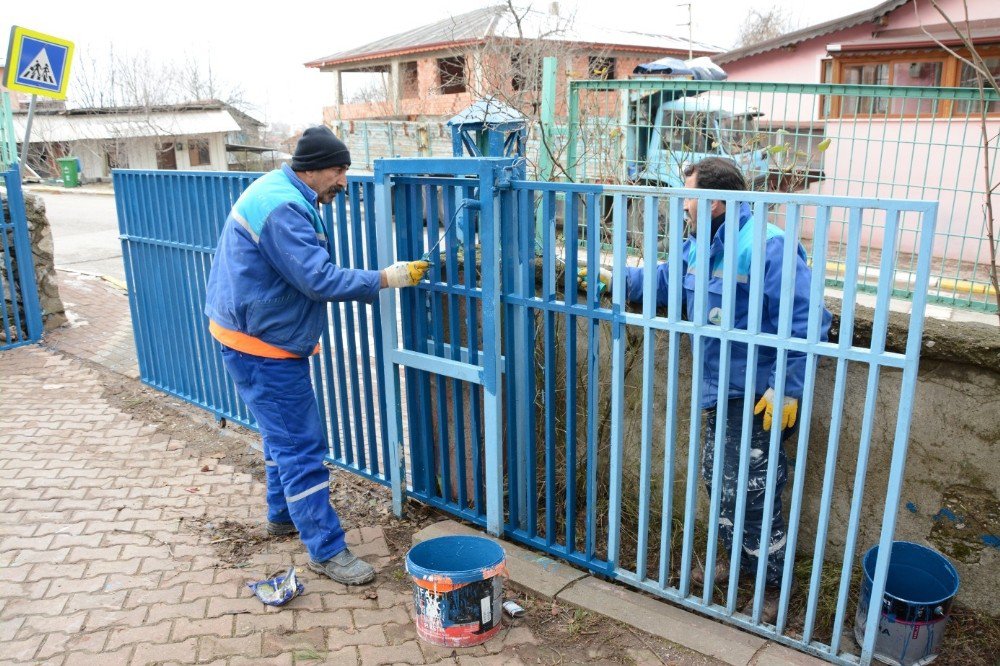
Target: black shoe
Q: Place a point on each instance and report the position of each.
(281, 529)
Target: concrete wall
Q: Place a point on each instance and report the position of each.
(950, 494)
(952, 480)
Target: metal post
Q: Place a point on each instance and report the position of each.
(548, 117)
(387, 309)
(27, 134)
(572, 131)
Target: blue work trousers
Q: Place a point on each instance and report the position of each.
(280, 395)
(760, 442)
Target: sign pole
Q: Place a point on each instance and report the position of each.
(27, 135)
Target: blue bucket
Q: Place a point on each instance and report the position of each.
(919, 590)
(457, 589)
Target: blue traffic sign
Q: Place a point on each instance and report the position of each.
(38, 63)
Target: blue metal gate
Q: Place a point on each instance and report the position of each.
(500, 392)
(20, 311)
(563, 432)
(169, 224)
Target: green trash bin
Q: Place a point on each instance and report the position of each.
(69, 168)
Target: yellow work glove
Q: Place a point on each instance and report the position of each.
(789, 410)
(405, 273)
(603, 279)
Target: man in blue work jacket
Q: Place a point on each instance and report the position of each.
(270, 280)
(722, 174)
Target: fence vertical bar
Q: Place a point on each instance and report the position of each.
(548, 232)
(387, 310)
(805, 417)
(833, 442)
(620, 219)
(697, 371)
(571, 231)
(879, 330)
(492, 380)
(649, 300)
(25, 260)
(674, 304)
(593, 368)
(901, 440)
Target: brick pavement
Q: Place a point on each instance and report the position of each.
(102, 561)
(100, 323)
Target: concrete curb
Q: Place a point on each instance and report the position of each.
(56, 189)
(555, 580)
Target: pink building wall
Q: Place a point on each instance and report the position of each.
(931, 158)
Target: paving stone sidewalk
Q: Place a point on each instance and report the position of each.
(105, 557)
(99, 327)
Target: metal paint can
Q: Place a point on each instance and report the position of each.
(457, 589)
(919, 590)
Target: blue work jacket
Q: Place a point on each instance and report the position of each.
(766, 356)
(272, 273)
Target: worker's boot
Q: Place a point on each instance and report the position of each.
(346, 568)
(769, 610)
(721, 572)
(281, 529)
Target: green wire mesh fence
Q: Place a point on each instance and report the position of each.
(850, 140)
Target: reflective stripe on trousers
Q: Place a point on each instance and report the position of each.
(280, 395)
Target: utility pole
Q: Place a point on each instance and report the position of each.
(689, 27)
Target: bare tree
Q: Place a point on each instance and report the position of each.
(507, 67)
(985, 80)
(126, 89)
(760, 25)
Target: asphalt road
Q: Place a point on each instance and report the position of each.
(85, 233)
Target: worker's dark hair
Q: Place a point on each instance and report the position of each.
(716, 173)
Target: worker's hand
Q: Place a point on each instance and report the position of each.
(603, 279)
(789, 410)
(404, 274)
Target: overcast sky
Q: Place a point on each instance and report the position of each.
(263, 49)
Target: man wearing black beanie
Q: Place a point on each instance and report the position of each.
(266, 301)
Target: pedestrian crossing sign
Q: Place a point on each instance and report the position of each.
(37, 63)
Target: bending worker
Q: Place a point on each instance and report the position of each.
(722, 174)
(267, 290)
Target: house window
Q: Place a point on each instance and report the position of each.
(915, 73)
(451, 75)
(527, 72)
(876, 74)
(410, 85)
(600, 67)
(198, 153)
(825, 76)
(166, 158)
(967, 79)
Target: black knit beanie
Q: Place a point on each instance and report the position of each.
(319, 149)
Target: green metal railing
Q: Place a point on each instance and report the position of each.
(849, 140)
(8, 140)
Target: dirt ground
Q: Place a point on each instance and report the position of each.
(565, 635)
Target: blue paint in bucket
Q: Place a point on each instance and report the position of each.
(920, 587)
(457, 589)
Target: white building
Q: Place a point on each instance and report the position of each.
(210, 136)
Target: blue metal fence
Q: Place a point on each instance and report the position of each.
(170, 224)
(500, 392)
(20, 311)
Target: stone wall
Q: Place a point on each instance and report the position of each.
(53, 312)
